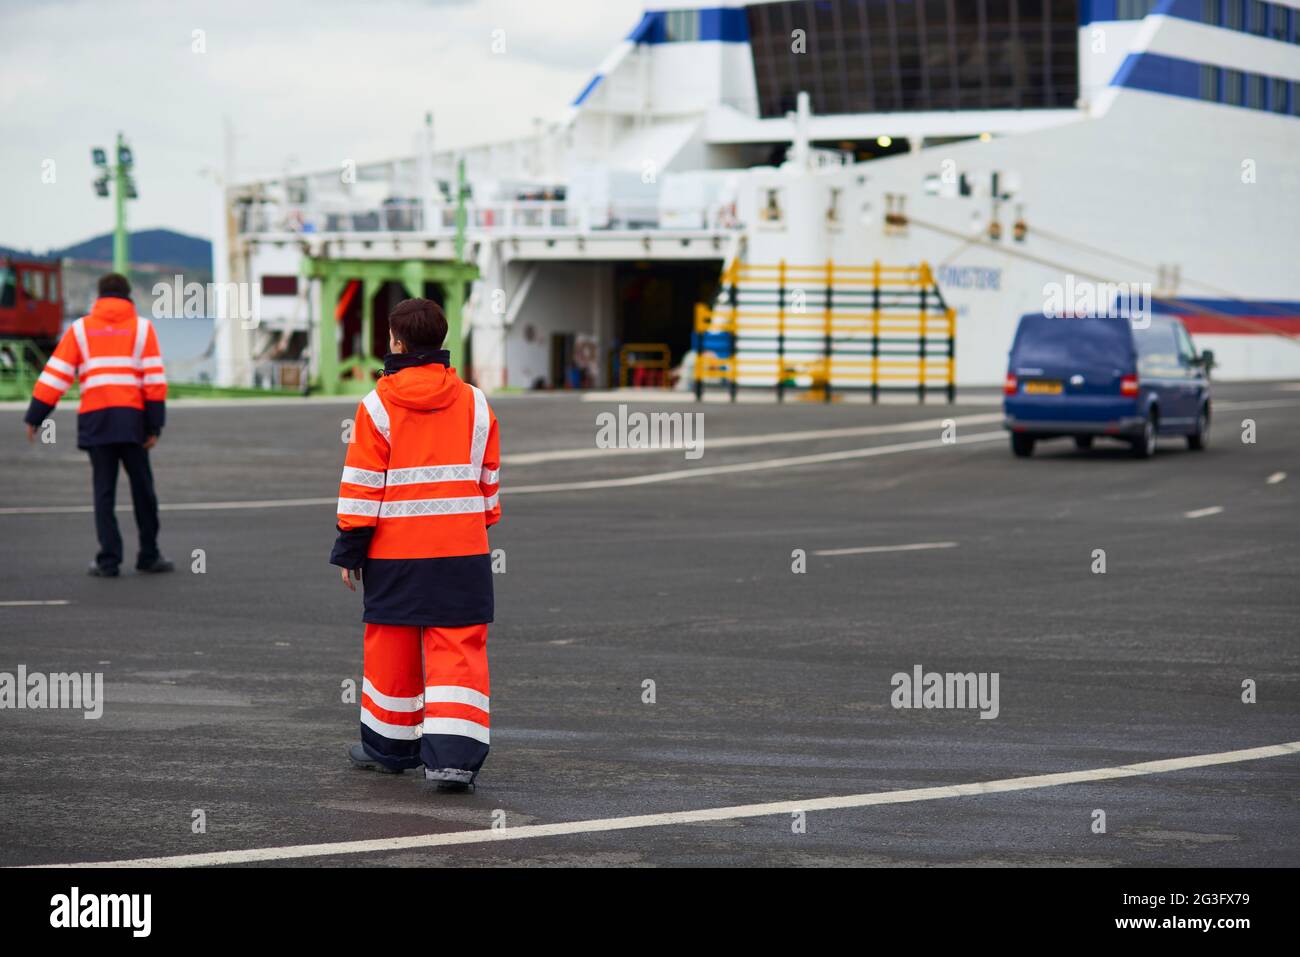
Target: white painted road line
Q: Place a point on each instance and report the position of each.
(1203, 512)
(650, 478)
(1275, 478)
(770, 438)
(21, 604)
(489, 835)
(1257, 404)
(874, 549)
(761, 465)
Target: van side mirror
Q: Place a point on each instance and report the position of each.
(1206, 360)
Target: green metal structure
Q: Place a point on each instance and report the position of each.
(342, 279)
(355, 374)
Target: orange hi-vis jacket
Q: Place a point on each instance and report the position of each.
(113, 356)
(418, 494)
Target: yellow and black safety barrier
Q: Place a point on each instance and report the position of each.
(827, 329)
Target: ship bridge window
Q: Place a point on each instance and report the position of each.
(1133, 9)
(682, 26)
(911, 55)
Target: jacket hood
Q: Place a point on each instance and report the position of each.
(113, 309)
(416, 384)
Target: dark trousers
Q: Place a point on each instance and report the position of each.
(104, 461)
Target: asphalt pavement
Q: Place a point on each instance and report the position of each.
(671, 642)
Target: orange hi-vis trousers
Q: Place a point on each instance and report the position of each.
(424, 699)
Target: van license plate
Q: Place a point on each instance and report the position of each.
(1043, 387)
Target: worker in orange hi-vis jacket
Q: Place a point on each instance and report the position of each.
(112, 354)
(418, 494)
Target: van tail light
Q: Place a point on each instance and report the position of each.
(1009, 387)
(1128, 385)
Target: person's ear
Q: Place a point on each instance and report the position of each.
(395, 345)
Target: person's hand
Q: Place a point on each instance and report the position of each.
(31, 432)
(150, 441)
(347, 580)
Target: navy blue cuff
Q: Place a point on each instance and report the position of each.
(351, 546)
(37, 412)
(155, 417)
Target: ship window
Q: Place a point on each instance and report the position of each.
(682, 26)
(1277, 21)
(1233, 14)
(1210, 11)
(1255, 91)
(1277, 95)
(903, 55)
(1133, 9)
(1258, 17)
(1209, 83)
(1295, 98)
(1232, 87)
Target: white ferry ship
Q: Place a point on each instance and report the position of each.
(726, 193)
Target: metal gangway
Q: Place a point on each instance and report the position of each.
(827, 329)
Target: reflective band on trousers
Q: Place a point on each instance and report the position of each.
(403, 732)
(466, 729)
(390, 703)
(455, 694)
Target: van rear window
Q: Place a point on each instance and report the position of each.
(1042, 340)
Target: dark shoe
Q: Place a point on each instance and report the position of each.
(102, 571)
(451, 780)
(155, 567)
(361, 759)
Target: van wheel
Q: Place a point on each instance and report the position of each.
(1201, 437)
(1144, 446)
(1083, 442)
(1022, 446)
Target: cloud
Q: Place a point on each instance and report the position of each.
(318, 81)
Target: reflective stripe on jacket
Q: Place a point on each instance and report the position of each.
(418, 493)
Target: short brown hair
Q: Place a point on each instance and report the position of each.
(115, 284)
(418, 324)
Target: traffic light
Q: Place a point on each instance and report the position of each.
(124, 156)
(101, 186)
(99, 156)
(130, 189)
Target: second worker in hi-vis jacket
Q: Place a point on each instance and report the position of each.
(418, 494)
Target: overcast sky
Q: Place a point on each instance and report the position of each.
(306, 84)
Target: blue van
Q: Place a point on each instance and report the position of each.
(1116, 378)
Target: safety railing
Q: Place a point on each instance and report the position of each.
(521, 217)
(826, 329)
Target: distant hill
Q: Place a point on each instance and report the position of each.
(159, 246)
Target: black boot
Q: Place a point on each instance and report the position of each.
(97, 570)
(154, 566)
(361, 759)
